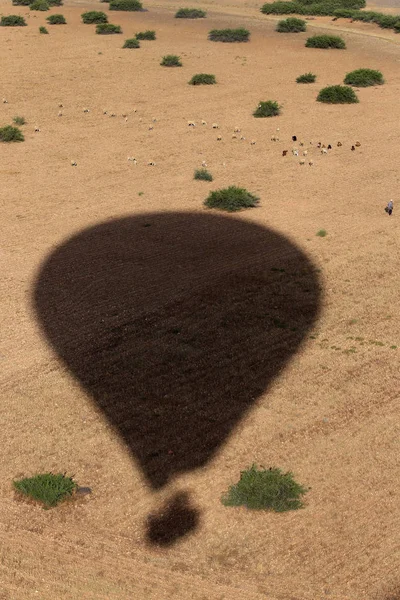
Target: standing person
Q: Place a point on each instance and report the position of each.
(390, 207)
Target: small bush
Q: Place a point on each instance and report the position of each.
(291, 25)
(128, 5)
(343, 13)
(231, 199)
(48, 489)
(306, 78)
(325, 41)
(21, 2)
(265, 489)
(280, 8)
(146, 35)
(267, 109)
(94, 16)
(203, 175)
(42, 5)
(190, 13)
(364, 78)
(43, 30)
(56, 20)
(386, 21)
(397, 27)
(229, 35)
(11, 134)
(12, 21)
(108, 29)
(131, 43)
(171, 60)
(203, 79)
(322, 233)
(19, 121)
(337, 94)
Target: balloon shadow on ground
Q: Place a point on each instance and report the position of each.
(175, 323)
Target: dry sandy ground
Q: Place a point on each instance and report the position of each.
(330, 415)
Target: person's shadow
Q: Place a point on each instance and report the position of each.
(175, 323)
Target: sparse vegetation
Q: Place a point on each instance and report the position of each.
(267, 109)
(146, 35)
(326, 41)
(190, 13)
(306, 78)
(337, 94)
(43, 30)
(364, 78)
(203, 79)
(108, 29)
(19, 121)
(203, 175)
(291, 25)
(56, 20)
(229, 35)
(127, 5)
(12, 21)
(131, 43)
(42, 5)
(231, 199)
(322, 233)
(48, 489)
(94, 16)
(11, 134)
(171, 60)
(265, 489)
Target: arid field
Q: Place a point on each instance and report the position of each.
(154, 348)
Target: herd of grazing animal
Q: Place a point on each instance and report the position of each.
(324, 149)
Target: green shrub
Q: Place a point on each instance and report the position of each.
(108, 29)
(344, 13)
(190, 13)
(291, 25)
(311, 7)
(203, 175)
(325, 41)
(387, 21)
(43, 30)
(267, 109)
(127, 5)
(56, 20)
(146, 35)
(322, 233)
(94, 16)
(364, 78)
(12, 21)
(280, 8)
(21, 2)
(19, 121)
(229, 35)
(306, 78)
(337, 94)
(203, 79)
(171, 60)
(131, 43)
(11, 134)
(40, 5)
(397, 27)
(48, 489)
(265, 489)
(231, 199)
